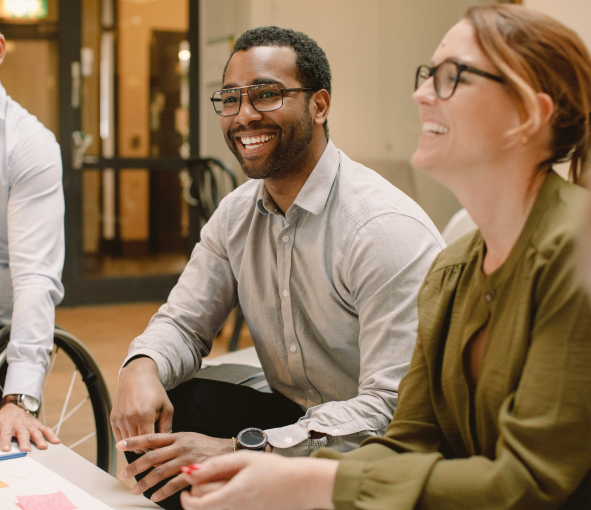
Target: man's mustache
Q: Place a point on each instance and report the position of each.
(252, 127)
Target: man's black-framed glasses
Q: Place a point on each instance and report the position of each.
(266, 97)
(446, 76)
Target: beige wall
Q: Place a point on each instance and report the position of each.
(374, 48)
(575, 14)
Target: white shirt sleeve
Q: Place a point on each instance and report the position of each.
(35, 220)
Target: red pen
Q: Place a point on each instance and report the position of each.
(189, 469)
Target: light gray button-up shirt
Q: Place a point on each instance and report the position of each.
(328, 291)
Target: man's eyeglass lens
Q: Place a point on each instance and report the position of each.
(445, 76)
(264, 98)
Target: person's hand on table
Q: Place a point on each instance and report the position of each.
(142, 405)
(165, 455)
(251, 481)
(16, 422)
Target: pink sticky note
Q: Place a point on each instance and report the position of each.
(55, 501)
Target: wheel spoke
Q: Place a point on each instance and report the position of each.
(57, 427)
(80, 441)
(78, 406)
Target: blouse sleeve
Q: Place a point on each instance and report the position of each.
(543, 451)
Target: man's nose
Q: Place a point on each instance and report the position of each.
(247, 112)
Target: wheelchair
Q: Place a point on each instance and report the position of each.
(75, 402)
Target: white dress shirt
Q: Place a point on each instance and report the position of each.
(328, 291)
(31, 243)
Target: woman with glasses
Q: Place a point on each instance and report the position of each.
(495, 411)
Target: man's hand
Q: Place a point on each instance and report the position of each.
(142, 405)
(16, 422)
(167, 453)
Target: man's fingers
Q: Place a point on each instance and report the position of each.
(49, 434)
(165, 420)
(6, 439)
(23, 438)
(116, 433)
(37, 438)
(156, 475)
(152, 458)
(145, 442)
(172, 487)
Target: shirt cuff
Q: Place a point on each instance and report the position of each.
(161, 364)
(25, 379)
(289, 437)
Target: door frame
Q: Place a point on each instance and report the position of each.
(82, 289)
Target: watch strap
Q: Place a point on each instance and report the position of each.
(16, 399)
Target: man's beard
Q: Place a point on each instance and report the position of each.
(292, 141)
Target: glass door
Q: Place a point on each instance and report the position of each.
(128, 75)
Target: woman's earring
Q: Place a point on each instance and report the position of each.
(524, 139)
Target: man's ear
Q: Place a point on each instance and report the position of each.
(320, 105)
(2, 48)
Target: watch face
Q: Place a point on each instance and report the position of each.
(30, 403)
(252, 439)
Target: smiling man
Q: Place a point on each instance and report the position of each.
(325, 258)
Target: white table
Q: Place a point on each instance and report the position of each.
(90, 478)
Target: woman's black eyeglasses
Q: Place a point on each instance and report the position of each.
(447, 76)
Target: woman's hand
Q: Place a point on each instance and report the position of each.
(257, 481)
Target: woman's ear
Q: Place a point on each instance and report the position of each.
(546, 108)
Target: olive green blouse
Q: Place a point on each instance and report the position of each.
(522, 437)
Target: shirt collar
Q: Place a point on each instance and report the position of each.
(314, 193)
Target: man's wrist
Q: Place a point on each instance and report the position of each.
(27, 403)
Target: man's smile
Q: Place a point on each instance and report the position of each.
(254, 142)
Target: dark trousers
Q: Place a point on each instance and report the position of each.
(220, 409)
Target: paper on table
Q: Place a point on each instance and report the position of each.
(55, 501)
(27, 477)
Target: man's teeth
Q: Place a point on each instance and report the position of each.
(255, 141)
(432, 127)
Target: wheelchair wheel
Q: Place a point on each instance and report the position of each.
(75, 401)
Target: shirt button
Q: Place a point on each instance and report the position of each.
(288, 439)
(285, 239)
(292, 348)
(285, 293)
(488, 296)
(336, 431)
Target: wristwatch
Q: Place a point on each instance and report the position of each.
(26, 402)
(251, 439)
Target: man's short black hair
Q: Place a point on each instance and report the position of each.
(312, 68)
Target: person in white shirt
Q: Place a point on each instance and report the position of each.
(31, 262)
